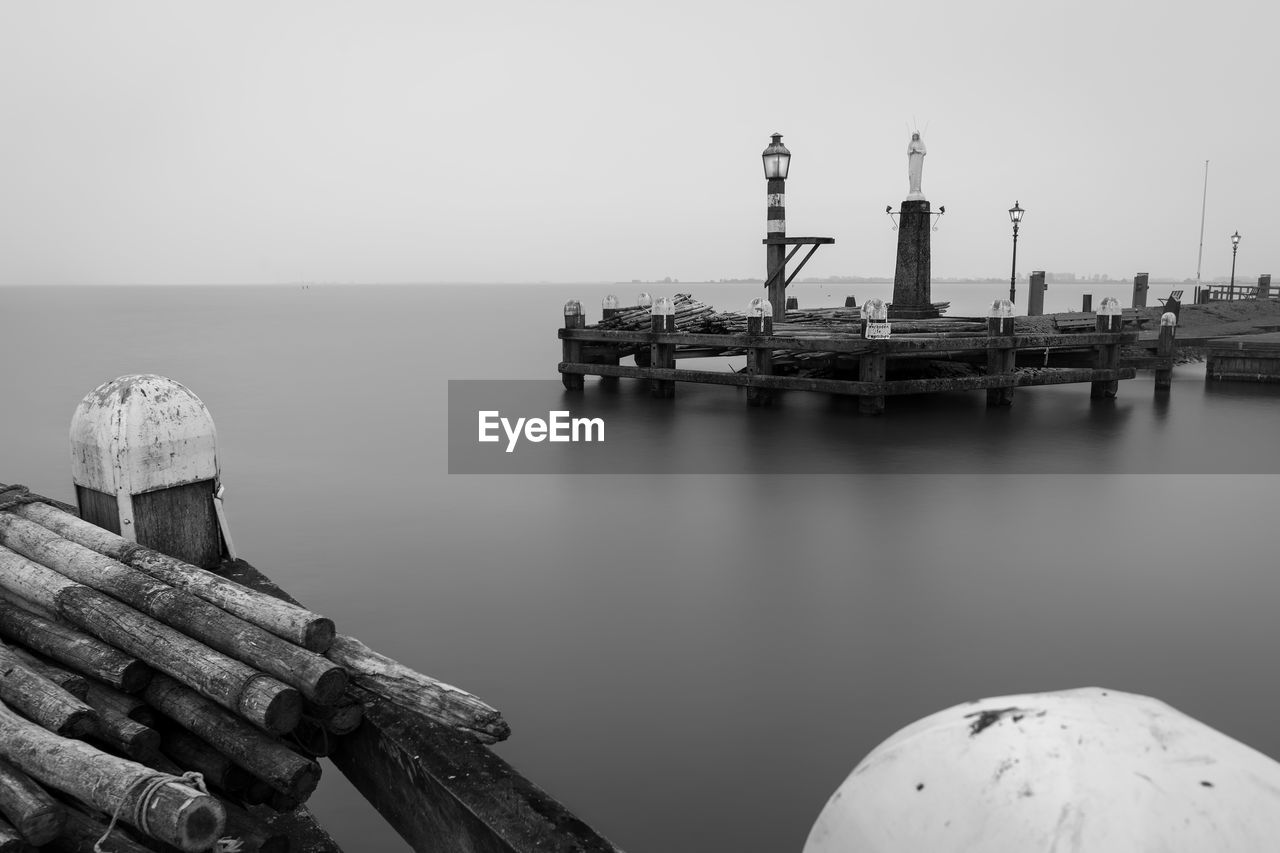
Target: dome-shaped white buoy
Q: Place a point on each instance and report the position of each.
(144, 463)
(1077, 770)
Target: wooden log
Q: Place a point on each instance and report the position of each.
(11, 840)
(102, 695)
(264, 757)
(296, 624)
(42, 701)
(120, 732)
(73, 648)
(76, 685)
(317, 678)
(340, 718)
(230, 683)
(191, 753)
(83, 831)
(412, 690)
(438, 786)
(162, 807)
(36, 816)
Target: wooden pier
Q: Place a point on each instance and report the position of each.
(1244, 358)
(831, 351)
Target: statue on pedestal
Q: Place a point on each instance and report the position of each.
(915, 166)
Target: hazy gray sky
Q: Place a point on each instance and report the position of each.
(516, 140)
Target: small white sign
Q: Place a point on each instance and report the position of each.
(877, 331)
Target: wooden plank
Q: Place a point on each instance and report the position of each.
(442, 790)
(1047, 376)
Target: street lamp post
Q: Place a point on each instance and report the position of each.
(777, 160)
(1015, 215)
(1235, 244)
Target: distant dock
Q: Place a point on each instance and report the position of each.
(841, 351)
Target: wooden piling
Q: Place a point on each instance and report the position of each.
(1165, 349)
(871, 368)
(263, 756)
(1035, 294)
(759, 361)
(663, 356)
(230, 683)
(164, 808)
(298, 625)
(1001, 357)
(316, 677)
(1086, 302)
(72, 648)
(30, 810)
(1107, 356)
(571, 351)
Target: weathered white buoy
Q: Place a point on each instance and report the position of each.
(1077, 770)
(145, 466)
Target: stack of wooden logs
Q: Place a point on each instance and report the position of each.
(123, 672)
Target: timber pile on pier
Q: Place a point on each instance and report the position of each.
(862, 353)
(178, 705)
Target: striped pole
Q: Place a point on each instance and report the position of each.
(777, 160)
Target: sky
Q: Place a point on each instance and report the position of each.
(565, 140)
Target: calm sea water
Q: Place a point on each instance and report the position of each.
(694, 663)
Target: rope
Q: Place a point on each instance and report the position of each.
(16, 495)
(149, 784)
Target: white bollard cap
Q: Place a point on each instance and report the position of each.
(1088, 769)
(140, 433)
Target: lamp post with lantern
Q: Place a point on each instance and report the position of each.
(777, 161)
(1235, 244)
(1015, 215)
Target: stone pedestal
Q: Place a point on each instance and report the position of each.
(911, 278)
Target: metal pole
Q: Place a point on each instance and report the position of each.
(1204, 198)
(1013, 276)
(1234, 248)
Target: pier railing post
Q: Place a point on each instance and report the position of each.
(1001, 357)
(759, 359)
(1140, 290)
(1035, 294)
(872, 366)
(1264, 286)
(1107, 356)
(1164, 349)
(608, 353)
(663, 319)
(571, 351)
